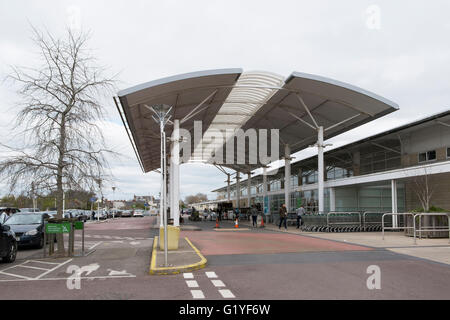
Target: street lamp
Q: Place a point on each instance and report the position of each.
(162, 116)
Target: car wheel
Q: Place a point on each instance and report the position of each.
(12, 253)
(41, 242)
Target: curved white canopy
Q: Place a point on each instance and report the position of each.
(228, 99)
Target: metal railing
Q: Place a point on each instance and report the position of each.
(427, 229)
(373, 223)
(395, 228)
(349, 222)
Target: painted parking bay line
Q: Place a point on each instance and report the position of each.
(17, 267)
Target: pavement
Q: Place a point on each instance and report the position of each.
(245, 263)
(186, 258)
(426, 248)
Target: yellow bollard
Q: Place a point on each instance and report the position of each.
(173, 236)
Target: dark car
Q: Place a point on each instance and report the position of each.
(8, 244)
(28, 228)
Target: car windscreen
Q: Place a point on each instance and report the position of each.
(24, 219)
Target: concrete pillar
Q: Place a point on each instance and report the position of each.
(332, 199)
(394, 202)
(287, 176)
(249, 188)
(320, 169)
(176, 174)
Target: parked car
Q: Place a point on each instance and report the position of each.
(127, 213)
(8, 244)
(11, 209)
(100, 215)
(28, 228)
(29, 210)
(138, 213)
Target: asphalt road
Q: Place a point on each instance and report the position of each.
(244, 264)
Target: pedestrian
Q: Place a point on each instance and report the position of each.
(283, 216)
(93, 215)
(254, 213)
(300, 211)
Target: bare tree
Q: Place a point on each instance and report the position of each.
(199, 197)
(424, 189)
(60, 112)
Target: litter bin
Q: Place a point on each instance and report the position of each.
(173, 235)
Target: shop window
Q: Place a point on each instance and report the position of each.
(448, 152)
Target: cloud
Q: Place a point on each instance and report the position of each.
(406, 60)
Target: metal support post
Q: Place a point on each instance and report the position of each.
(249, 188)
(238, 189)
(287, 176)
(176, 173)
(320, 168)
(394, 202)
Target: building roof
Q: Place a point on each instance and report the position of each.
(229, 99)
(441, 118)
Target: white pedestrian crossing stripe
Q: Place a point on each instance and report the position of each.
(226, 293)
(192, 283)
(211, 274)
(218, 283)
(197, 294)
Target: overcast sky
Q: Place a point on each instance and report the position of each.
(397, 49)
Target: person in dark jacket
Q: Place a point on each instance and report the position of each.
(254, 213)
(283, 216)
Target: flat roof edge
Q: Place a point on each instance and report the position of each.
(178, 77)
(345, 85)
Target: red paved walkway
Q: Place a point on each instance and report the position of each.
(239, 242)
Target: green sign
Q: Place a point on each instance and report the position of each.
(57, 227)
(79, 225)
(299, 202)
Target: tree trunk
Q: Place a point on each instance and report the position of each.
(59, 183)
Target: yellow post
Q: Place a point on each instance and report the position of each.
(173, 236)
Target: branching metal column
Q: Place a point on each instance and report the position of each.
(238, 189)
(266, 204)
(228, 188)
(176, 173)
(287, 176)
(249, 188)
(320, 168)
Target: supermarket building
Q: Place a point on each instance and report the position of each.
(382, 173)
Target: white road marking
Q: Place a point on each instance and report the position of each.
(211, 274)
(82, 278)
(41, 262)
(53, 269)
(16, 275)
(226, 293)
(192, 283)
(118, 273)
(188, 275)
(95, 245)
(134, 242)
(218, 283)
(31, 267)
(197, 294)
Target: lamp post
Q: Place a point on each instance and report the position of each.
(162, 116)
